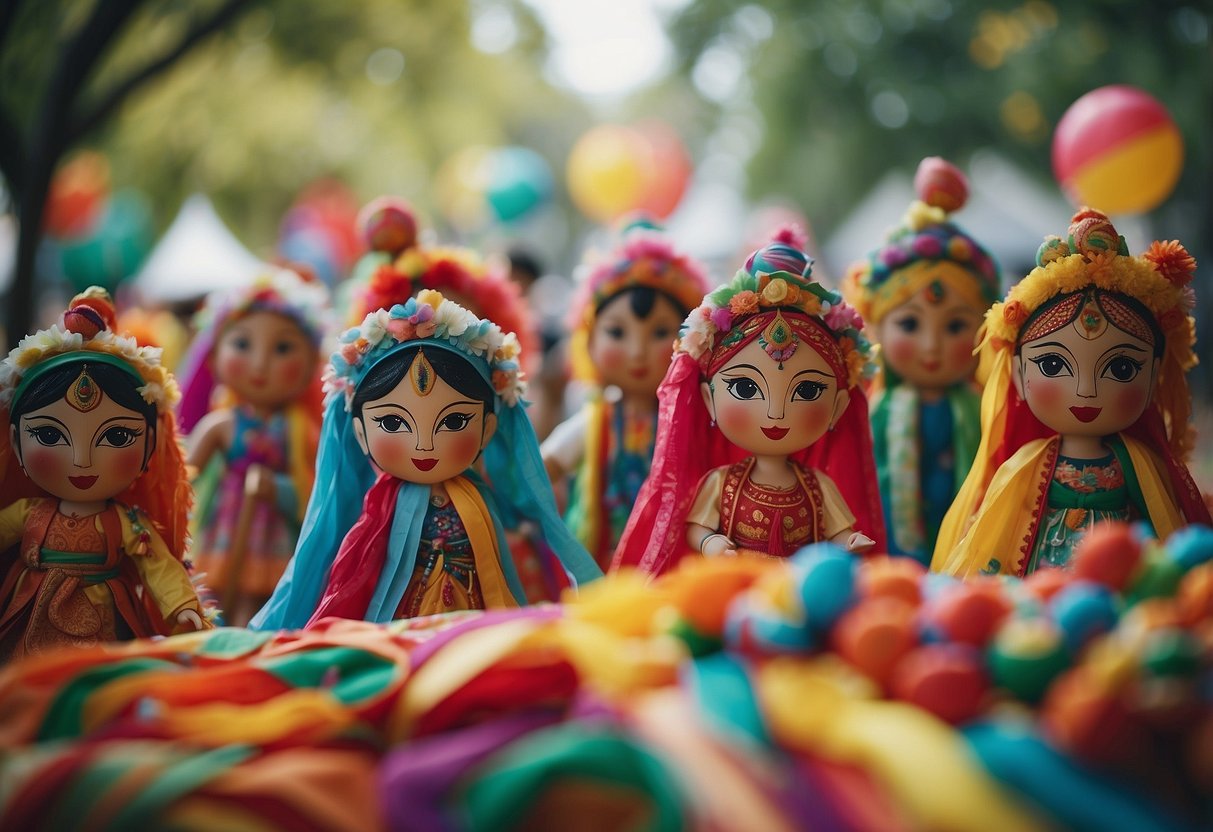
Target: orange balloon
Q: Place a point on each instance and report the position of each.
(608, 171)
(671, 169)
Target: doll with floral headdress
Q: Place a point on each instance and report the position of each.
(1085, 409)
(625, 319)
(763, 441)
(401, 523)
(923, 294)
(93, 490)
(251, 404)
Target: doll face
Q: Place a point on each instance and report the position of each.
(427, 438)
(82, 456)
(633, 353)
(1087, 378)
(265, 359)
(772, 412)
(928, 340)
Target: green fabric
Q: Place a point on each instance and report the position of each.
(726, 696)
(63, 717)
(56, 557)
(1136, 498)
(1062, 497)
(177, 780)
(84, 790)
(233, 642)
(360, 674)
(513, 780)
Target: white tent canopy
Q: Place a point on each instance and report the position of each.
(197, 255)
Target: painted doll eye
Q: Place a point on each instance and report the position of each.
(1052, 365)
(242, 343)
(1122, 368)
(808, 391)
(284, 347)
(391, 424)
(455, 421)
(743, 388)
(956, 326)
(662, 334)
(47, 435)
(908, 324)
(615, 332)
(119, 437)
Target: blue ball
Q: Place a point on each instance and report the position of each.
(1082, 611)
(827, 584)
(1191, 546)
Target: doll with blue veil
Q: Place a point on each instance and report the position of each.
(400, 524)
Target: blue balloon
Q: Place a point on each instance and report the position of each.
(116, 247)
(520, 180)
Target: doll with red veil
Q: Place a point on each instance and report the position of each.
(763, 441)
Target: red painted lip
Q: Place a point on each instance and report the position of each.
(775, 432)
(83, 483)
(639, 372)
(425, 464)
(1086, 414)
(930, 366)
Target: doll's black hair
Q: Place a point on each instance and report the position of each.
(450, 367)
(641, 300)
(113, 381)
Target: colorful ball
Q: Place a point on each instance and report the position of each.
(1026, 656)
(1195, 598)
(892, 577)
(1093, 235)
(1118, 149)
(945, 679)
(1109, 554)
(1158, 577)
(827, 583)
(970, 613)
(1053, 248)
(1082, 611)
(388, 224)
(1191, 546)
(1171, 652)
(939, 183)
(874, 635)
(1045, 583)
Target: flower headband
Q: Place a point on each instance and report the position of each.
(886, 278)
(86, 330)
(429, 316)
(757, 298)
(1095, 255)
(645, 257)
(281, 291)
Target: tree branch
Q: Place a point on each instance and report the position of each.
(12, 154)
(118, 93)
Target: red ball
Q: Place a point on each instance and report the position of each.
(944, 679)
(874, 635)
(388, 224)
(1045, 583)
(1109, 554)
(970, 613)
(940, 183)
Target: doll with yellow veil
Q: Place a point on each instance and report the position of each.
(1085, 409)
(923, 293)
(93, 489)
(625, 318)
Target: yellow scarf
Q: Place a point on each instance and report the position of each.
(482, 533)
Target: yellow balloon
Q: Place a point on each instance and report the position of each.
(608, 171)
(459, 187)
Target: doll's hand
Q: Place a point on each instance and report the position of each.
(859, 542)
(718, 545)
(259, 483)
(188, 621)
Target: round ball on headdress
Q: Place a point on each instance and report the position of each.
(1053, 248)
(638, 220)
(939, 183)
(90, 312)
(1092, 233)
(780, 255)
(388, 224)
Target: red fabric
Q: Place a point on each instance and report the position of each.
(362, 555)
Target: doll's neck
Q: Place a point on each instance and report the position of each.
(74, 508)
(773, 471)
(1083, 447)
(262, 412)
(637, 404)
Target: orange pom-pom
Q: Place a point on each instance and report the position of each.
(939, 183)
(1172, 261)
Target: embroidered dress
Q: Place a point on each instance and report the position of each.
(444, 577)
(775, 521)
(271, 539)
(1082, 493)
(83, 580)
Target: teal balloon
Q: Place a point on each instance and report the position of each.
(520, 180)
(115, 249)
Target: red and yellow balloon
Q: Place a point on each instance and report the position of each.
(1118, 150)
(615, 170)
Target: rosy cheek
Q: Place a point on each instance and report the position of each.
(391, 452)
(609, 355)
(736, 422)
(123, 466)
(813, 425)
(290, 370)
(46, 462)
(1044, 394)
(231, 366)
(901, 352)
(1131, 400)
(463, 447)
(960, 355)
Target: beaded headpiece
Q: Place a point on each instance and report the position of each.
(281, 291)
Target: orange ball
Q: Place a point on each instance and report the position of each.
(970, 613)
(1195, 596)
(892, 577)
(1089, 721)
(875, 634)
(1045, 583)
(945, 679)
(1109, 554)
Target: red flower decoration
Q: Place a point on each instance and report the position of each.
(1170, 319)
(1172, 261)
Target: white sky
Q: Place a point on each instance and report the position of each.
(606, 47)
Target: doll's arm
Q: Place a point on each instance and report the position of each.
(708, 542)
(703, 521)
(562, 452)
(162, 575)
(853, 541)
(212, 435)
